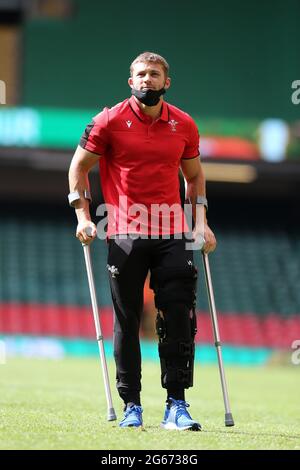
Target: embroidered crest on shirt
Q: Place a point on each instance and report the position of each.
(128, 123)
(173, 124)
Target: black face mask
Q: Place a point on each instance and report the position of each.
(148, 97)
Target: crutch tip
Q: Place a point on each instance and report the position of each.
(111, 415)
(229, 420)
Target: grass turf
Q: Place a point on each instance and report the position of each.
(60, 404)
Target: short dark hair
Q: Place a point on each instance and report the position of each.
(151, 57)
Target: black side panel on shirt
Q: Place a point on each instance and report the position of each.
(190, 158)
(85, 135)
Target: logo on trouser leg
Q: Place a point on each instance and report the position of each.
(113, 270)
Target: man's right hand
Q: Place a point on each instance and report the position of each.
(81, 234)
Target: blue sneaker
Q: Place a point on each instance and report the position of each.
(177, 417)
(132, 417)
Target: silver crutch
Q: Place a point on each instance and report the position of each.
(111, 415)
(213, 313)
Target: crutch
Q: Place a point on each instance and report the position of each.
(213, 313)
(111, 415)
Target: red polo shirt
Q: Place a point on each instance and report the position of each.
(140, 162)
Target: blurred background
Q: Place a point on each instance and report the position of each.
(235, 69)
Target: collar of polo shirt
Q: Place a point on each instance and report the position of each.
(142, 116)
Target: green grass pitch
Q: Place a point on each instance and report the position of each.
(60, 404)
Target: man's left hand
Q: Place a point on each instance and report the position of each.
(209, 237)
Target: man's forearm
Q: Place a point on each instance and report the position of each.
(79, 181)
(196, 187)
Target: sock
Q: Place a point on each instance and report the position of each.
(131, 403)
(176, 393)
(130, 396)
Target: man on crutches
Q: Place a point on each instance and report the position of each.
(140, 145)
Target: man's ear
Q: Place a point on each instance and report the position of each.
(167, 83)
(130, 83)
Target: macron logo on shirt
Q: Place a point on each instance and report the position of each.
(128, 123)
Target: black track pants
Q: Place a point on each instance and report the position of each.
(128, 264)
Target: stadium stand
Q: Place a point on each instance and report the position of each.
(43, 285)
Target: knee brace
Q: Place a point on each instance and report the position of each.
(176, 326)
(174, 285)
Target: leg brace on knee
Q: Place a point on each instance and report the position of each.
(175, 298)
